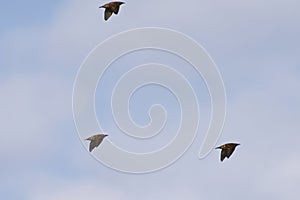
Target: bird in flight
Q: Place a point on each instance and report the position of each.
(112, 7)
(95, 140)
(227, 150)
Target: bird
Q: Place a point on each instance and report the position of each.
(112, 7)
(95, 140)
(227, 150)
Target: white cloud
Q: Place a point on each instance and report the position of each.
(282, 180)
(31, 106)
(59, 189)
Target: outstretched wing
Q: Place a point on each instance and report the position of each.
(94, 143)
(223, 154)
(230, 151)
(107, 14)
(116, 9)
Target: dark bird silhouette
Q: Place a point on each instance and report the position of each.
(227, 150)
(95, 140)
(112, 7)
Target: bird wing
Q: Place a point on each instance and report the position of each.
(229, 152)
(107, 14)
(94, 143)
(223, 154)
(116, 9)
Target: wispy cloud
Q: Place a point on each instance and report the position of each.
(253, 42)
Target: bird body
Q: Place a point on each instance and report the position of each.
(227, 150)
(95, 140)
(112, 7)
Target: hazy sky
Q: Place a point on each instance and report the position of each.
(256, 46)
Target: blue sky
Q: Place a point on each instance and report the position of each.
(255, 45)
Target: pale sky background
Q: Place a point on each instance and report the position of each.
(256, 47)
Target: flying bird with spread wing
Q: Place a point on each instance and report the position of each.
(112, 7)
(227, 150)
(95, 140)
